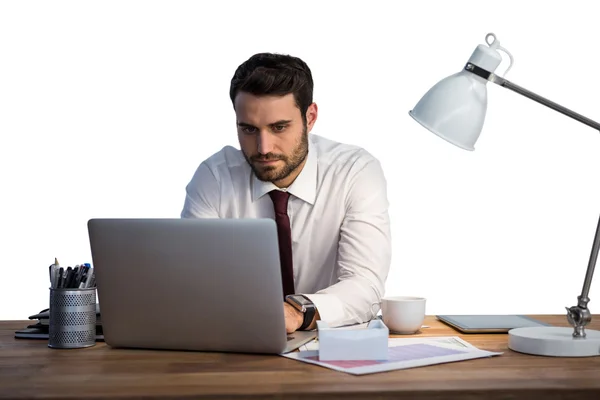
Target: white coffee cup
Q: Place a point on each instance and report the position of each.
(403, 314)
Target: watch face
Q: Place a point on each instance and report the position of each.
(303, 301)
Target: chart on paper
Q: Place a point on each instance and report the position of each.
(403, 353)
(453, 342)
(409, 352)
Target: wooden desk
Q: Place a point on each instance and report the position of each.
(29, 369)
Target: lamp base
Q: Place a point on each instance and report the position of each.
(554, 342)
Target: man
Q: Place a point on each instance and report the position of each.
(329, 199)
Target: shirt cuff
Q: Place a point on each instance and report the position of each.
(330, 307)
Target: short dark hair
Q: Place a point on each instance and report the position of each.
(274, 74)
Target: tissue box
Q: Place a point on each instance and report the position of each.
(370, 343)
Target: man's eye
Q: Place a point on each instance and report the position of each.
(249, 129)
(279, 128)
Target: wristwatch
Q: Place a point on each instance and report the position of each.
(305, 306)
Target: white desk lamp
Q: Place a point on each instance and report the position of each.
(455, 109)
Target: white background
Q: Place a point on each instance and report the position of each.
(107, 108)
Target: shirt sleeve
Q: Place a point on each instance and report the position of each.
(364, 253)
(202, 195)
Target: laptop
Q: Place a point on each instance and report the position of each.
(191, 284)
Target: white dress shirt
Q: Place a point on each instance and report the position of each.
(338, 210)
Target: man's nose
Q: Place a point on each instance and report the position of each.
(265, 143)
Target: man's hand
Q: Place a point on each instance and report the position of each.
(293, 318)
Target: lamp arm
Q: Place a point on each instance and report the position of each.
(578, 316)
(591, 264)
(557, 107)
(535, 97)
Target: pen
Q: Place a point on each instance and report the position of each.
(56, 277)
(75, 277)
(53, 275)
(82, 276)
(60, 276)
(69, 277)
(82, 269)
(53, 269)
(63, 283)
(90, 278)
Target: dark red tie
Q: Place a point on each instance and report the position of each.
(284, 234)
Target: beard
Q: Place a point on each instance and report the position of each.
(274, 173)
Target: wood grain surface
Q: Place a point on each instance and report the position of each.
(29, 369)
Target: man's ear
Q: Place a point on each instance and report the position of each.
(311, 116)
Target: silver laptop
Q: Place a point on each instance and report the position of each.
(191, 284)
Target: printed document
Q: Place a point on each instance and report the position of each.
(403, 353)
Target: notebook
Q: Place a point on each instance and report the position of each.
(489, 323)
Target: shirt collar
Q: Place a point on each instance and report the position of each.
(304, 186)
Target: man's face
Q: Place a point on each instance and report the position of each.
(272, 135)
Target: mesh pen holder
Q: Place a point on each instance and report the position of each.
(72, 318)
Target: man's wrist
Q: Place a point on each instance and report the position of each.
(306, 308)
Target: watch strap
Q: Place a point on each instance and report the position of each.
(309, 315)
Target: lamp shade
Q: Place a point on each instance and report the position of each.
(455, 107)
